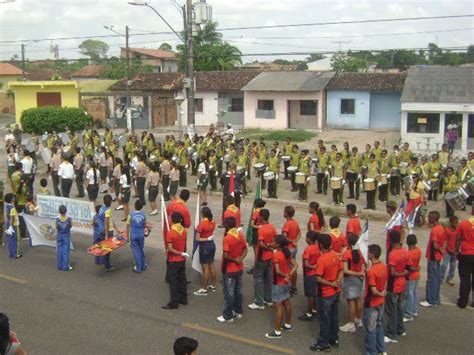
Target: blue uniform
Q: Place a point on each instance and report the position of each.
(12, 239)
(63, 228)
(137, 222)
(100, 234)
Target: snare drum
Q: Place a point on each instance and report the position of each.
(259, 167)
(195, 156)
(286, 158)
(369, 184)
(335, 183)
(403, 168)
(427, 186)
(176, 159)
(300, 178)
(314, 161)
(455, 200)
(269, 175)
(190, 151)
(292, 169)
(383, 179)
(227, 158)
(240, 169)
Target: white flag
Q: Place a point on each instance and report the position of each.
(42, 231)
(363, 243)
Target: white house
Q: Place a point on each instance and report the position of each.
(434, 97)
(320, 65)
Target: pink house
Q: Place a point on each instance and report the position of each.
(279, 100)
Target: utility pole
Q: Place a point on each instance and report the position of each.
(129, 103)
(190, 61)
(23, 62)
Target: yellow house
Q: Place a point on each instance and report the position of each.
(29, 94)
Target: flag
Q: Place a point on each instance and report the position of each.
(363, 242)
(411, 219)
(42, 231)
(397, 218)
(165, 225)
(258, 194)
(195, 262)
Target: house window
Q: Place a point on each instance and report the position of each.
(236, 105)
(198, 105)
(308, 107)
(265, 105)
(347, 106)
(48, 99)
(423, 123)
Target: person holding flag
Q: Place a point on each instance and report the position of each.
(206, 250)
(254, 222)
(231, 184)
(415, 197)
(179, 206)
(395, 223)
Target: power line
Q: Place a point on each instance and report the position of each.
(421, 18)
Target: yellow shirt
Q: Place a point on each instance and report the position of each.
(338, 167)
(420, 190)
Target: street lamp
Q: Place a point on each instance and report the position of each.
(179, 99)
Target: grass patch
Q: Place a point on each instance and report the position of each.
(296, 135)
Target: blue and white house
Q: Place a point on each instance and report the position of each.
(364, 101)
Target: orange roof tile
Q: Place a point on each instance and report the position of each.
(9, 69)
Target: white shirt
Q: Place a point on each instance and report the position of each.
(27, 164)
(123, 181)
(12, 159)
(66, 170)
(202, 168)
(90, 176)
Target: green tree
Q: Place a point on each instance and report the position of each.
(94, 49)
(116, 68)
(165, 46)
(342, 62)
(314, 56)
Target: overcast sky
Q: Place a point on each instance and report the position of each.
(38, 19)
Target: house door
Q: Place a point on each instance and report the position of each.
(48, 99)
(453, 118)
(303, 114)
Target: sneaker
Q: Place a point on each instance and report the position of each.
(358, 323)
(319, 348)
(212, 288)
(334, 344)
(407, 319)
(426, 304)
(341, 204)
(201, 292)
(269, 304)
(333, 203)
(306, 317)
(250, 271)
(415, 314)
(154, 213)
(110, 269)
(255, 306)
(348, 328)
(388, 340)
(273, 335)
(70, 268)
(238, 315)
(286, 327)
(384, 353)
(119, 207)
(450, 282)
(223, 320)
(404, 334)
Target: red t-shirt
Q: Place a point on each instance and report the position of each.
(234, 245)
(314, 219)
(206, 228)
(377, 277)
(256, 216)
(438, 235)
(451, 236)
(177, 237)
(312, 254)
(292, 229)
(234, 212)
(180, 207)
(353, 226)
(338, 240)
(466, 232)
(415, 256)
(399, 259)
(347, 257)
(328, 267)
(387, 241)
(266, 234)
(285, 268)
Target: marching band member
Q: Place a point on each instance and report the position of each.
(450, 183)
(242, 161)
(464, 175)
(338, 169)
(377, 151)
(262, 159)
(372, 173)
(273, 165)
(395, 160)
(353, 173)
(287, 148)
(384, 168)
(203, 179)
(213, 169)
(304, 166)
(345, 152)
(434, 176)
(322, 176)
(294, 161)
(415, 195)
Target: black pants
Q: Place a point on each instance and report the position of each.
(433, 195)
(337, 195)
(321, 183)
(80, 183)
(449, 210)
(213, 180)
(244, 183)
(293, 183)
(194, 167)
(55, 178)
(286, 164)
(165, 180)
(182, 176)
(466, 275)
(383, 192)
(272, 190)
(395, 185)
(302, 192)
(141, 189)
(354, 185)
(371, 199)
(176, 278)
(66, 185)
(263, 182)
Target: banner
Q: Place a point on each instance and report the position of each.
(42, 231)
(363, 243)
(81, 212)
(258, 194)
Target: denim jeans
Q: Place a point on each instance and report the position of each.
(373, 325)
(433, 282)
(411, 298)
(262, 281)
(328, 310)
(232, 294)
(394, 307)
(448, 260)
